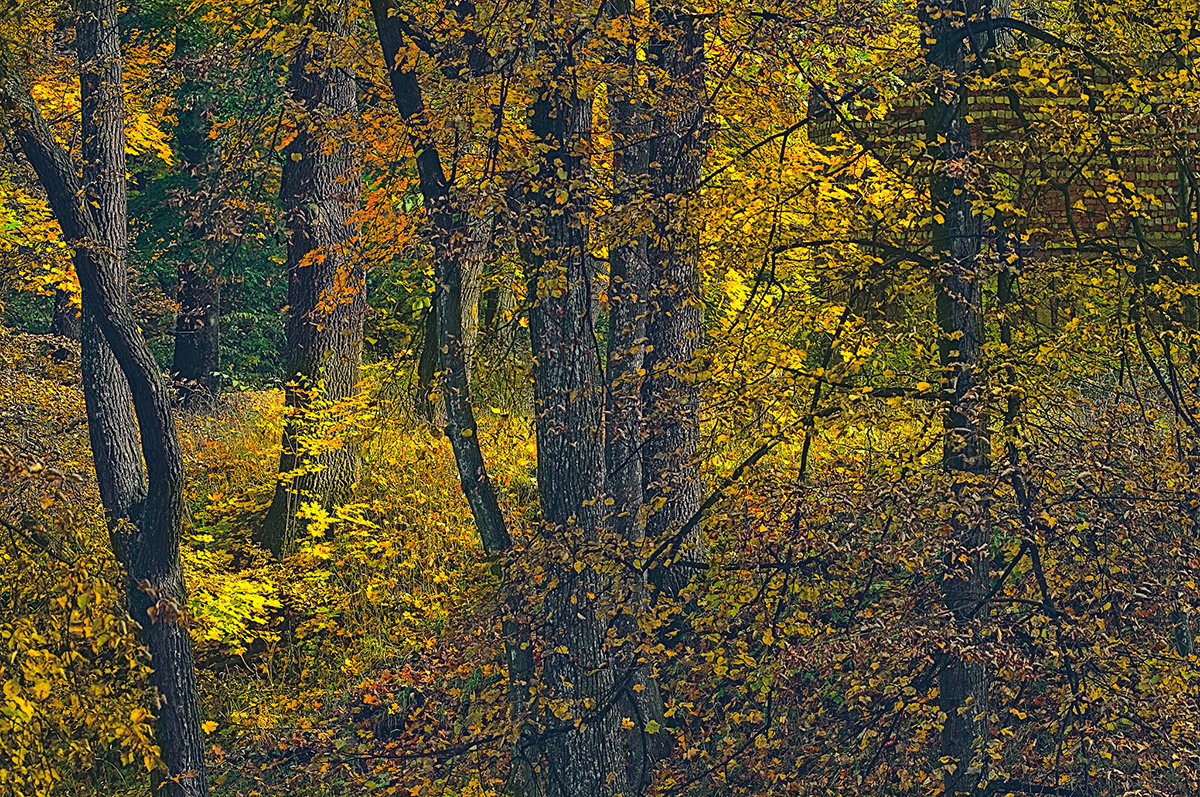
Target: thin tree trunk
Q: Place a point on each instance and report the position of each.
(963, 685)
(126, 398)
(66, 320)
(448, 235)
(196, 360)
(507, 322)
(326, 281)
(427, 402)
(674, 327)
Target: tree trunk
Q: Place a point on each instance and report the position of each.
(963, 686)
(433, 410)
(66, 320)
(584, 752)
(326, 282)
(126, 399)
(197, 357)
(628, 278)
(507, 322)
(674, 326)
(427, 402)
(478, 240)
(448, 234)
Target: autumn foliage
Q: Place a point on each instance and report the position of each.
(673, 399)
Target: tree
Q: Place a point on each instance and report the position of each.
(128, 404)
(327, 299)
(671, 406)
(957, 244)
(197, 353)
(569, 420)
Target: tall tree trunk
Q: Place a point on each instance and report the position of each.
(127, 401)
(963, 686)
(628, 279)
(326, 282)
(196, 361)
(585, 754)
(674, 327)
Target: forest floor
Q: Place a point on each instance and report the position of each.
(305, 662)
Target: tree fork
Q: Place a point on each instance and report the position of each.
(124, 392)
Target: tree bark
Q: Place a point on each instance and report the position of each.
(584, 753)
(478, 239)
(196, 360)
(628, 280)
(127, 401)
(326, 282)
(957, 242)
(426, 402)
(475, 251)
(66, 320)
(674, 327)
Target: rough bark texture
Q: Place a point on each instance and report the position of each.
(507, 322)
(674, 326)
(584, 760)
(327, 297)
(963, 685)
(196, 362)
(426, 401)
(478, 236)
(126, 399)
(472, 261)
(628, 278)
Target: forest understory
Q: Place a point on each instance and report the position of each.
(599, 399)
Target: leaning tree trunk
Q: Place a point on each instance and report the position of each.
(197, 357)
(674, 327)
(448, 238)
(326, 282)
(963, 685)
(127, 401)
